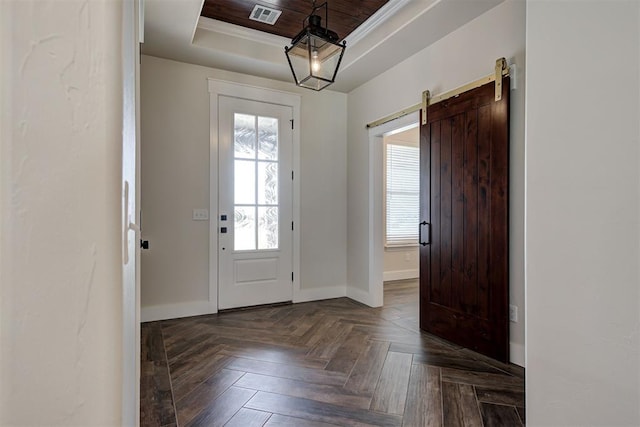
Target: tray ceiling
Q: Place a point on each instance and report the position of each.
(175, 29)
(344, 15)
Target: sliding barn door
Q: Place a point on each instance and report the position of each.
(464, 254)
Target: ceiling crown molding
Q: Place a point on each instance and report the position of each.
(384, 13)
(208, 24)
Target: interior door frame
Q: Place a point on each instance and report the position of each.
(132, 36)
(375, 296)
(218, 88)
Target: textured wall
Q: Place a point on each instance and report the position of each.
(61, 213)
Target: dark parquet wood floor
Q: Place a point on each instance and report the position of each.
(327, 363)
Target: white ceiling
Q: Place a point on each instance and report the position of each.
(175, 30)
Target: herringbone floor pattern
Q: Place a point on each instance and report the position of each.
(326, 363)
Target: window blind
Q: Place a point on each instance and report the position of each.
(402, 194)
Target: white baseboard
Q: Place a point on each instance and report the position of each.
(316, 294)
(363, 297)
(198, 308)
(389, 276)
(516, 354)
(174, 311)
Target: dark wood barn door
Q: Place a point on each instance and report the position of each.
(464, 256)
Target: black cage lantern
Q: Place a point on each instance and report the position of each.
(315, 54)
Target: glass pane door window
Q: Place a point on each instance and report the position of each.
(255, 148)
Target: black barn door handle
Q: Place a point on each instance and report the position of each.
(428, 242)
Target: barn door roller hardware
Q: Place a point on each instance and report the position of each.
(501, 66)
(501, 69)
(425, 103)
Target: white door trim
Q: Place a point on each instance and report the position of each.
(374, 297)
(219, 88)
(131, 205)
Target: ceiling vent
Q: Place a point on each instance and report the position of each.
(265, 14)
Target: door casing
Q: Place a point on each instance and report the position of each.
(132, 24)
(374, 296)
(219, 88)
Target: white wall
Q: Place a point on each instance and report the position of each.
(61, 279)
(175, 180)
(462, 56)
(583, 216)
(401, 263)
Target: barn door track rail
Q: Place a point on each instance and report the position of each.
(501, 70)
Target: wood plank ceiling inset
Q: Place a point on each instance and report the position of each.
(344, 15)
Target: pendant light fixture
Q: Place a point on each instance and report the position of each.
(315, 54)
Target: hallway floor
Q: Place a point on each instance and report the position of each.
(327, 363)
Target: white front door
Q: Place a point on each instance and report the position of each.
(255, 237)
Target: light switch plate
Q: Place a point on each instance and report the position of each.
(200, 214)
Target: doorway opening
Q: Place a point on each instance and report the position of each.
(401, 199)
(394, 254)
